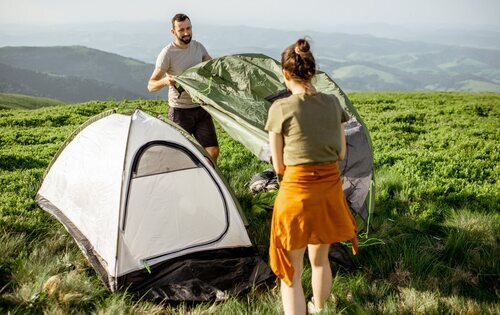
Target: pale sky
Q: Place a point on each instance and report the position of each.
(292, 14)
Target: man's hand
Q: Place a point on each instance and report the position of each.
(170, 79)
(159, 79)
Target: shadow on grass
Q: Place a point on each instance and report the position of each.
(10, 162)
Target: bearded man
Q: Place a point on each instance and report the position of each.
(175, 58)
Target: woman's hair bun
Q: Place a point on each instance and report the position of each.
(302, 46)
(299, 61)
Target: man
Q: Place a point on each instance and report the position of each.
(176, 57)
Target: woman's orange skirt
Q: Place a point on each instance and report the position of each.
(310, 209)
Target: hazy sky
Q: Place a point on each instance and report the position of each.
(293, 14)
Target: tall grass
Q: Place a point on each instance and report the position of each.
(437, 212)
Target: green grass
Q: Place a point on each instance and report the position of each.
(437, 171)
(18, 101)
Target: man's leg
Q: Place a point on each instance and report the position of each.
(206, 135)
(293, 298)
(321, 273)
(183, 117)
(197, 122)
(214, 152)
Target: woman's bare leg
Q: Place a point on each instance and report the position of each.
(321, 273)
(294, 302)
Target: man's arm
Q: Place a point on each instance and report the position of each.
(204, 53)
(206, 57)
(159, 79)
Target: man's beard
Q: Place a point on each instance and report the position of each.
(185, 39)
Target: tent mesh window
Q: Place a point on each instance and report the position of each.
(158, 158)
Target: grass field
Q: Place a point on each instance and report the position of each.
(437, 214)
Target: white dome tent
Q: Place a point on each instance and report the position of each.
(149, 211)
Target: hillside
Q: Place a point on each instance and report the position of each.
(411, 60)
(407, 66)
(407, 63)
(16, 101)
(432, 247)
(125, 77)
(62, 87)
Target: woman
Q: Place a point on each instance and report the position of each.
(306, 135)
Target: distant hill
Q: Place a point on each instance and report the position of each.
(16, 101)
(62, 87)
(87, 72)
(363, 62)
(357, 62)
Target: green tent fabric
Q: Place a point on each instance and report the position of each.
(235, 90)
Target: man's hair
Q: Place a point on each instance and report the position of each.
(179, 17)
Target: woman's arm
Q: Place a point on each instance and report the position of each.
(276, 144)
(342, 142)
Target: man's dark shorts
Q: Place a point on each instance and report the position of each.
(197, 122)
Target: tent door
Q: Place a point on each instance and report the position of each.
(173, 203)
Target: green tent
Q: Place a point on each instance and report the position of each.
(238, 90)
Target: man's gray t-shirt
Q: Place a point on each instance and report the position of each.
(174, 61)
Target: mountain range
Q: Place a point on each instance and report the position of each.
(73, 74)
(88, 62)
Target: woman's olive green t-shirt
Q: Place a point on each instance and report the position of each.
(310, 125)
